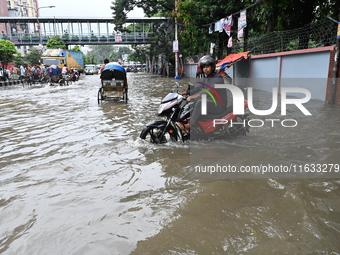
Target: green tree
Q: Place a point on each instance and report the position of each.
(89, 58)
(139, 53)
(100, 52)
(116, 56)
(76, 48)
(159, 8)
(150, 7)
(7, 51)
(138, 27)
(18, 60)
(55, 43)
(194, 18)
(34, 56)
(124, 50)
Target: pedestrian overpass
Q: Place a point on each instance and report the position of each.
(26, 31)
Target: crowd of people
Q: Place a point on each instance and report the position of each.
(4, 74)
(38, 73)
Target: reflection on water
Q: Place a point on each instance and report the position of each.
(76, 179)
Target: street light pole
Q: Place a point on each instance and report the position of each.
(37, 11)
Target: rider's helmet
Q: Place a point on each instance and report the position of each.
(207, 60)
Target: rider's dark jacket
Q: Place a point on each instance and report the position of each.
(210, 81)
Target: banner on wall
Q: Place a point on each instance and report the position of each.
(175, 46)
(230, 42)
(242, 23)
(243, 19)
(239, 29)
(218, 26)
(118, 38)
(227, 24)
(212, 46)
(240, 33)
(211, 29)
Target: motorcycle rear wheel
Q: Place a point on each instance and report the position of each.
(152, 134)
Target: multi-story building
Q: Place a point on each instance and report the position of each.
(17, 8)
(3, 13)
(25, 8)
(21, 8)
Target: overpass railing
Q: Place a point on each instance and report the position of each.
(122, 38)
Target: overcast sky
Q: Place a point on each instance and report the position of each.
(80, 8)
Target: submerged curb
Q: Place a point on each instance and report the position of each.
(8, 83)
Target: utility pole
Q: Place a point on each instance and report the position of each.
(336, 65)
(176, 40)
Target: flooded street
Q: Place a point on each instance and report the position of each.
(75, 178)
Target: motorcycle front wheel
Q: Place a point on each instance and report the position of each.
(153, 135)
(242, 128)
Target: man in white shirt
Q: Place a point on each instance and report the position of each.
(22, 71)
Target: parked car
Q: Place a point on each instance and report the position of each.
(89, 70)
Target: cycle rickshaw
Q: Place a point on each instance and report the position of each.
(55, 77)
(113, 83)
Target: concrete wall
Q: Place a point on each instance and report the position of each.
(309, 69)
(303, 68)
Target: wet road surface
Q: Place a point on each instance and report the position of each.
(76, 179)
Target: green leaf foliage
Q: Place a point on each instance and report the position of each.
(18, 60)
(55, 43)
(194, 17)
(76, 48)
(34, 56)
(7, 51)
(98, 53)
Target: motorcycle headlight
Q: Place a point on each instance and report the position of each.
(161, 108)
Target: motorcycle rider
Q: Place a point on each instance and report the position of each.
(211, 77)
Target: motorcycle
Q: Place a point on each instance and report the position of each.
(176, 111)
(74, 75)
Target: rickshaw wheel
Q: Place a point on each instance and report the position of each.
(100, 95)
(43, 80)
(125, 96)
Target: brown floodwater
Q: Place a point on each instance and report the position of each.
(75, 178)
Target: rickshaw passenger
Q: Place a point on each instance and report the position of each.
(106, 61)
(55, 73)
(36, 71)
